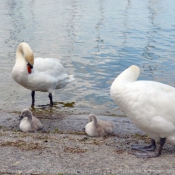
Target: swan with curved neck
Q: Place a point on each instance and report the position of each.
(98, 128)
(39, 74)
(28, 122)
(149, 105)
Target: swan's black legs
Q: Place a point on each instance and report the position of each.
(150, 155)
(50, 97)
(162, 142)
(150, 147)
(33, 98)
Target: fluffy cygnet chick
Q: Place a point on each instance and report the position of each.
(98, 128)
(28, 122)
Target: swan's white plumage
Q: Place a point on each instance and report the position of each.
(149, 104)
(47, 73)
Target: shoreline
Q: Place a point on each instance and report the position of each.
(62, 147)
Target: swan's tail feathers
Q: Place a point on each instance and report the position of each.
(66, 79)
(71, 78)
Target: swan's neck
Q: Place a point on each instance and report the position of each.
(19, 55)
(120, 88)
(93, 119)
(20, 61)
(128, 76)
(24, 52)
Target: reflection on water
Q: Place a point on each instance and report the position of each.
(95, 40)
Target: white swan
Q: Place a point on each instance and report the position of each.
(149, 105)
(98, 128)
(28, 122)
(39, 74)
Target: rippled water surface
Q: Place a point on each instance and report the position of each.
(95, 40)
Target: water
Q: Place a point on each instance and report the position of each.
(95, 40)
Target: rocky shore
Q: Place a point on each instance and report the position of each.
(62, 147)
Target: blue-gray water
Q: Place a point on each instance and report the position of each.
(95, 40)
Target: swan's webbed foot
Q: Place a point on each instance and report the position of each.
(146, 154)
(150, 147)
(50, 97)
(44, 106)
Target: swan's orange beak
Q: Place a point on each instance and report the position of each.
(29, 68)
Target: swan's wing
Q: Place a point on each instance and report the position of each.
(50, 66)
(162, 126)
(149, 103)
(48, 74)
(155, 94)
(107, 126)
(36, 124)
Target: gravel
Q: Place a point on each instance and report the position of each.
(62, 147)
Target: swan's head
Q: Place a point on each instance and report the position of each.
(26, 113)
(30, 62)
(25, 51)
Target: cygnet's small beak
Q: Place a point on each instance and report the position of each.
(21, 117)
